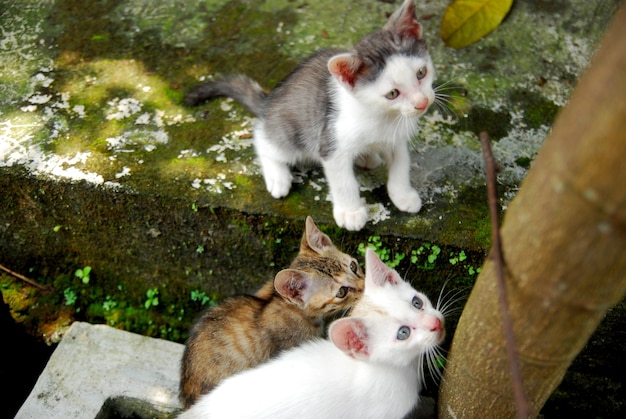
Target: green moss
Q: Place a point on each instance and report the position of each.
(496, 123)
(537, 110)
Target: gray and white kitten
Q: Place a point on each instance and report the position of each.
(340, 108)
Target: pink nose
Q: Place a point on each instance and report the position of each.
(437, 326)
(422, 105)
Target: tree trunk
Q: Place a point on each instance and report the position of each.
(564, 244)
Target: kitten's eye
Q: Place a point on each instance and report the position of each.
(354, 267)
(343, 291)
(417, 302)
(421, 73)
(392, 94)
(403, 333)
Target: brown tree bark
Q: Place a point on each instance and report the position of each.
(564, 244)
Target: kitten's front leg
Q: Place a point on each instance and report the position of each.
(399, 188)
(348, 210)
(276, 171)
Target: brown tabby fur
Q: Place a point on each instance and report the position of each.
(247, 330)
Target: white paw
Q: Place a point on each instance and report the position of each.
(277, 177)
(407, 201)
(278, 187)
(351, 220)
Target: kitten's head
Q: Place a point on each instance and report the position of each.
(392, 323)
(322, 280)
(391, 68)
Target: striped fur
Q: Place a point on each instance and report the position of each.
(246, 330)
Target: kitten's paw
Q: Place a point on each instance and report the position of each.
(350, 220)
(408, 201)
(277, 179)
(278, 187)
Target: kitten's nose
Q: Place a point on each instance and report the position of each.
(422, 105)
(437, 326)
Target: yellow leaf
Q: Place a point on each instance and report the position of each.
(467, 21)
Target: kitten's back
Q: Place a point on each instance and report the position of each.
(246, 330)
(241, 332)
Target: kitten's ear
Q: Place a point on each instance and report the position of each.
(404, 22)
(313, 238)
(294, 285)
(376, 272)
(345, 68)
(350, 336)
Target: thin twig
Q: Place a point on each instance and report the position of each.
(23, 278)
(521, 401)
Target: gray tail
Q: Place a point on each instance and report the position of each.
(239, 87)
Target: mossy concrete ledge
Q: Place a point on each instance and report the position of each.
(101, 165)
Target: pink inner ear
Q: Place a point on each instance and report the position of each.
(405, 24)
(376, 269)
(345, 68)
(350, 336)
(315, 238)
(412, 30)
(292, 285)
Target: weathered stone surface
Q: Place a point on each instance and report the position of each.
(95, 367)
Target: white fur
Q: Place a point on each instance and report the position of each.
(318, 380)
(371, 128)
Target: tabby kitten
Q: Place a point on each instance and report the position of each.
(370, 367)
(246, 330)
(338, 108)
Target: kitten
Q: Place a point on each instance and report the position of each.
(367, 369)
(246, 330)
(339, 108)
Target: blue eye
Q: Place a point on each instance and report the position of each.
(417, 302)
(403, 333)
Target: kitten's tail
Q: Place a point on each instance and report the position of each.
(239, 87)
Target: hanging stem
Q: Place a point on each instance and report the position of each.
(521, 401)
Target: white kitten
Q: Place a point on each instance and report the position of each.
(368, 368)
(340, 108)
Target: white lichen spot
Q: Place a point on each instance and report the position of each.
(125, 172)
(123, 108)
(187, 153)
(226, 105)
(43, 80)
(315, 185)
(79, 110)
(39, 99)
(377, 213)
(143, 119)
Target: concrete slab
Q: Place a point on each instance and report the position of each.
(97, 368)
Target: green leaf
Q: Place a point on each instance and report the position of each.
(467, 21)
